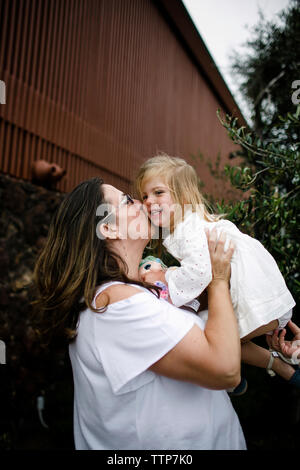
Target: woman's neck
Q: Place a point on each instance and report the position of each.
(131, 254)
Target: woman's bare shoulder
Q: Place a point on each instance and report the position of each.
(116, 293)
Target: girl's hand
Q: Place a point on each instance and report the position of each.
(287, 348)
(220, 259)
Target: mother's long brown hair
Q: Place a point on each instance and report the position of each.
(73, 262)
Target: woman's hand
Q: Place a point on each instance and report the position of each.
(220, 259)
(287, 348)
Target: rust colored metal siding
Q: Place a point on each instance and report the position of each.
(98, 86)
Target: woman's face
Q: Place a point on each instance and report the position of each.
(131, 221)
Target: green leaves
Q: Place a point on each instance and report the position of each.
(267, 68)
(270, 179)
(240, 178)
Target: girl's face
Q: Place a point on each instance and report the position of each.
(158, 201)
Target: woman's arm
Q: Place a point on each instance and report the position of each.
(210, 358)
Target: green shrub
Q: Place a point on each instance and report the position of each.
(270, 180)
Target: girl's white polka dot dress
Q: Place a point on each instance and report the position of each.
(258, 290)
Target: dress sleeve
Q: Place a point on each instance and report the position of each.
(194, 274)
(133, 334)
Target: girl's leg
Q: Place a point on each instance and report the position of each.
(255, 355)
(262, 330)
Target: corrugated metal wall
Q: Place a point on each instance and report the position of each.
(97, 86)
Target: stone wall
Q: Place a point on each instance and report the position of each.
(25, 214)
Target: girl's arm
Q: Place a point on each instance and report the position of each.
(190, 246)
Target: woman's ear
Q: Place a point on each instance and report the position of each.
(106, 231)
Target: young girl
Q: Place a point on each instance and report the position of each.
(168, 187)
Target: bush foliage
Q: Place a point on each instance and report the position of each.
(270, 180)
(268, 66)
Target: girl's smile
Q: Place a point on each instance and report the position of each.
(158, 201)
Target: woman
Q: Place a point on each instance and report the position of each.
(147, 375)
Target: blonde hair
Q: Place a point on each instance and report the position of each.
(182, 181)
